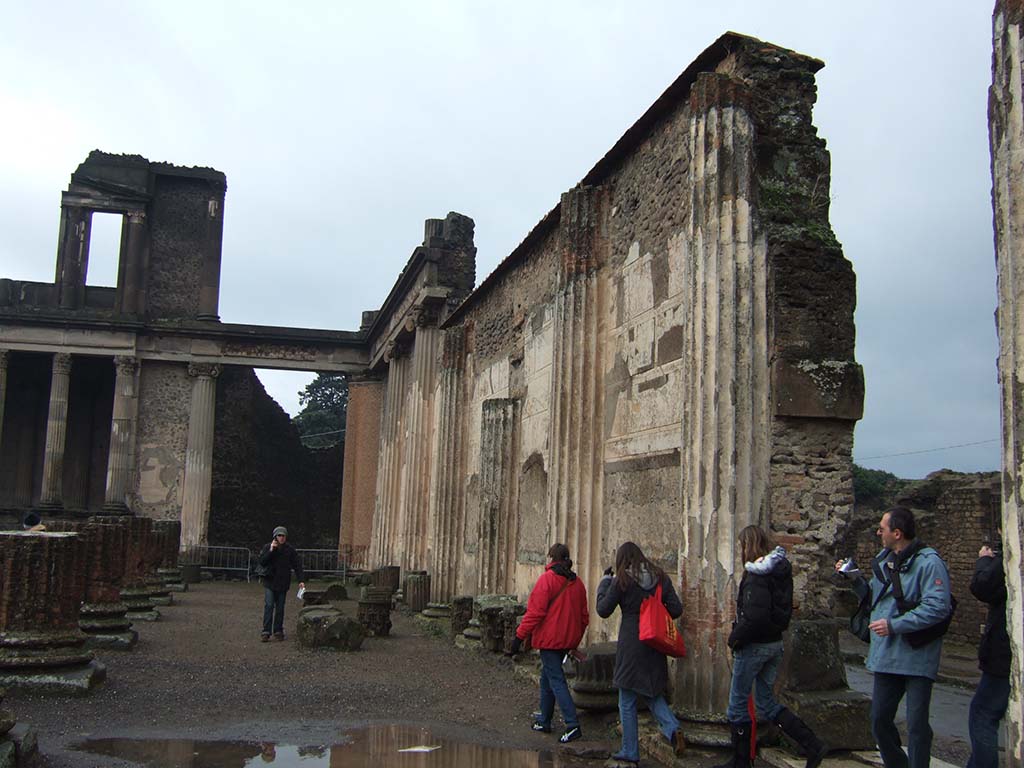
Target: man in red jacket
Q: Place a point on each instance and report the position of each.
(556, 616)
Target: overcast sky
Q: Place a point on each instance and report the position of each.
(342, 126)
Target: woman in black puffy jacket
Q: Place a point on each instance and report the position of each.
(764, 604)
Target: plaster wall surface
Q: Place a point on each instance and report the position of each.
(165, 396)
(1006, 136)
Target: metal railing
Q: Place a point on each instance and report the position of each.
(326, 561)
(229, 559)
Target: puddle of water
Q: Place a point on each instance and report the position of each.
(383, 746)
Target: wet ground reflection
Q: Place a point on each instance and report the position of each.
(374, 746)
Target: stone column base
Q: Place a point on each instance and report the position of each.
(76, 681)
(113, 641)
(841, 718)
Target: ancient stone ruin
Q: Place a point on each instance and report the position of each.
(667, 357)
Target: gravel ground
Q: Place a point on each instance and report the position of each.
(201, 672)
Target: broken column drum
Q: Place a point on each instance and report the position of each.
(592, 687)
(41, 645)
(462, 613)
(387, 576)
(159, 594)
(169, 533)
(103, 615)
(135, 591)
(416, 591)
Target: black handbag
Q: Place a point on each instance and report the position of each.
(920, 637)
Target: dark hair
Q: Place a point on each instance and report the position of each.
(901, 518)
(31, 519)
(754, 542)
(559, 553)
(629, 557)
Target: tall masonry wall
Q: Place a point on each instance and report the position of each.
(666, 358)
(1006, 136)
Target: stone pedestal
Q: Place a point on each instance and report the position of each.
(815, 686)
(375, 610)
(417, 590)
(470, 637)
(41, 645)
(169, 535)
(103, 615)
(134, 591)
(592, 687)
(462, 613)
(488, 611)
(155, 546)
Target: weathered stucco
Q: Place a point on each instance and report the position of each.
(1006, 131)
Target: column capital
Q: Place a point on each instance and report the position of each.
(136, 217)
(395, 349)
(62, 362)
(209, 370)
(126, 365)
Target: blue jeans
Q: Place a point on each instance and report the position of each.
(755, 665)
(273, 611)
(554, 688)
(627, 716)
(888, 691)
(987, 709)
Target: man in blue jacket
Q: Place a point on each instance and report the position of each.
(900, 667)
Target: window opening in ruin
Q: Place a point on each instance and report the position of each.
(104, 249)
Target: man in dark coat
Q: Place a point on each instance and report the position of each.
(279, 558)
(993, 694)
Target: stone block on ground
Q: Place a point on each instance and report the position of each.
(462, 613)
(26, 744)
(324, 593)
(320, 627)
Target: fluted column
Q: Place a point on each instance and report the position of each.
(725, 439)
(446, 498)
(195, 506)
(122, 428)
(386, 514)
(499, 524)
(4, 358)
(52, 496)
(417, 459)
(575, 485)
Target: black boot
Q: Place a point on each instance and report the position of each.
(813, 747)
(740, 735)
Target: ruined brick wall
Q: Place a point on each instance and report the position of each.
(262, 474)
(165, 398)
(956, 513)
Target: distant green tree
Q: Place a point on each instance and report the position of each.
(870, 485)
(324, 404)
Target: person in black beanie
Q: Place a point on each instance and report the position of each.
(993, 694)
(279, 558)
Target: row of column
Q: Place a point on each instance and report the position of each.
(122, 429)
(198, 454)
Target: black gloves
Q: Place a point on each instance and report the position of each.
(517, 646)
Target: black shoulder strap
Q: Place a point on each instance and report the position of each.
(559, 593)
